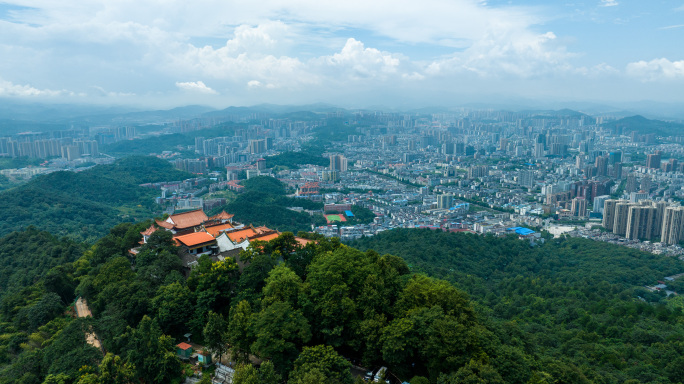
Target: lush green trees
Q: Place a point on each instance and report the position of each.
(325, 361)
(151, 352)
(570, 298)
(172, 306)
(85, 205)
(239, 330)
(249, 374)
(264, 202)
(570, 311)
(112, 370)
(216, 334)
(279, 332)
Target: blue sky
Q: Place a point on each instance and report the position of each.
(352, 53)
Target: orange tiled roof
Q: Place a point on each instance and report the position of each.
(303, 241)
(164, 224)
(240, 235)
(189, 219)
(263, 229)
(216, 230)
(152, 229)
(184, 346)
(222, 216)
(265, 237)
(193, 239)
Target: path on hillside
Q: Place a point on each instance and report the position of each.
(83, 311)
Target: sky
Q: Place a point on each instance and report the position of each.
(353, 53)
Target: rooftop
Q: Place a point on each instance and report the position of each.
(216, 230)
(194, 239)
(188, 219)
(184, 346)
(240, 235)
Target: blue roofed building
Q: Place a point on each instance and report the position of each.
(523, 233)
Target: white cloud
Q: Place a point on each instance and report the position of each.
(608, 3)
(196, 86)
(499, 54)
(356, 62)
(656, 69)
(7, 88)
(256, 84)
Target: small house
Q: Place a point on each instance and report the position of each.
(184, 351)
(204, 357)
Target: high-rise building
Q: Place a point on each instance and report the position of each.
(609, 213)
(640, 221)
(445, 201)
(635, 197)
(477, 171)
(257, 146)
(653, 160)
(199, 145)
(614, 157)
(527, 178)
(579, 207)
(616, 171)
(599, 203)
(645, 184)
(331, 175)
(338, 163)
(673, 225)
(601, 165)
(621, 216)
(660, 213)
(631, 184)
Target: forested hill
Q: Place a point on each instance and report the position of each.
(574, 301)
(86, 204)
(264, 201)
(645, 126)
(570, 311)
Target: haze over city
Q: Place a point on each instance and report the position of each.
(352, 53)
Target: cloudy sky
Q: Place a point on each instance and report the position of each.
(165, 53)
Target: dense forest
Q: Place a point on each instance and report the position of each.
(264, 201)
(570, 301)
(454, 308)
(309, 154)
(84, 205)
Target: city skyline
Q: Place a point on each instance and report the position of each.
(351, 54)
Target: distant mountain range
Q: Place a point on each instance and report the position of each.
(20, 116)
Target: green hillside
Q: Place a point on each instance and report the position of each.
(571, 301)
(495, 310)
(265, 202)
(84, 205)
(645, 126)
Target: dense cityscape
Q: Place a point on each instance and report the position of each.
(482, 171)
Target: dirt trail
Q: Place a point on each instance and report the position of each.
(83, 311)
